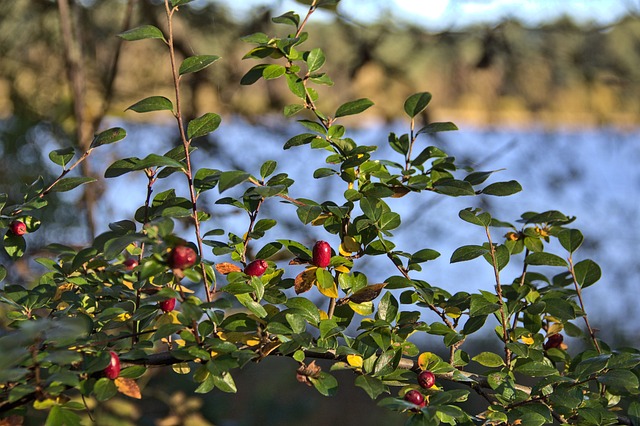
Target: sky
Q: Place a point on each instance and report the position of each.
(444, 14)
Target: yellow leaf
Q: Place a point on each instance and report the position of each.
(427, 359)
(128, 387)
(323, 315)
(527, 340)
(452, 312)
(183, 289)
(125, 316)
(354, 360)
(181, 368)
(554, 328)
(330, 291)
(61, 289)
(128, 284)
(45, 404)
(342, 268)
(364, 309)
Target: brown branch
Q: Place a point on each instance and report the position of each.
(503, 318)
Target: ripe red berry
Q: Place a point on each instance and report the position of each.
(182, 257)
(321, 254)
(130, 263)
(426, 379)
(112, 370)
(256, 268)
(168, 305)
(415, 397)
(554, 341)
(18, 228)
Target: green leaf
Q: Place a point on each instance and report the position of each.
(273, 71)
(453, 188)
(231, 178)
(293, 109)
(570, 239)
(268, 250)
(224, 382)
(62, 156)
(587, 272)
(326, 384)
(247, 301)
(475, 217)
(105, 389)
(14, 245)
(371, 385)
(302, 139)
(67, 184)
(502, 189)
(288, 18)
(141, 33)
(176, 3)
(353, 107)
(489, 359)
(315, 59)
(152, 103)
(267, 168)
(196, 63)
(469, 252)
(108, 136)
(437, 127)
(416, 103)
(203, 125)
(548, 259)
(536, 369)
(60, 416)
(620, 379)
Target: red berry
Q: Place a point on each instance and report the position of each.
(113, 369)
(415, 397)
(182, 257)
(18, 228)
(130, 263)
(426, 379)
(256, 268)
(168, 305)
(554, 341)
(321, 254)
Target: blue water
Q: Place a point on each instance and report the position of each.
(590, 174)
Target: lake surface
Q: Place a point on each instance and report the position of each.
(590, 174)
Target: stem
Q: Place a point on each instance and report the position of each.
(503, 317)
(252, 216)
(592, 333)
(186, 144)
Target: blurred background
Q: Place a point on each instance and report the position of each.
(549, 91)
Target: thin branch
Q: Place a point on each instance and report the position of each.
(592, 333)
(186, 144)
(503, 317)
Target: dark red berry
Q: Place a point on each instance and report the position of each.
(256, 268)
(113, 369)
(415, 397)
(321, 254)
(168, 305)
(130, 263)
(426, 379)
(554, 341)
(182, 257)
(18, 228)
